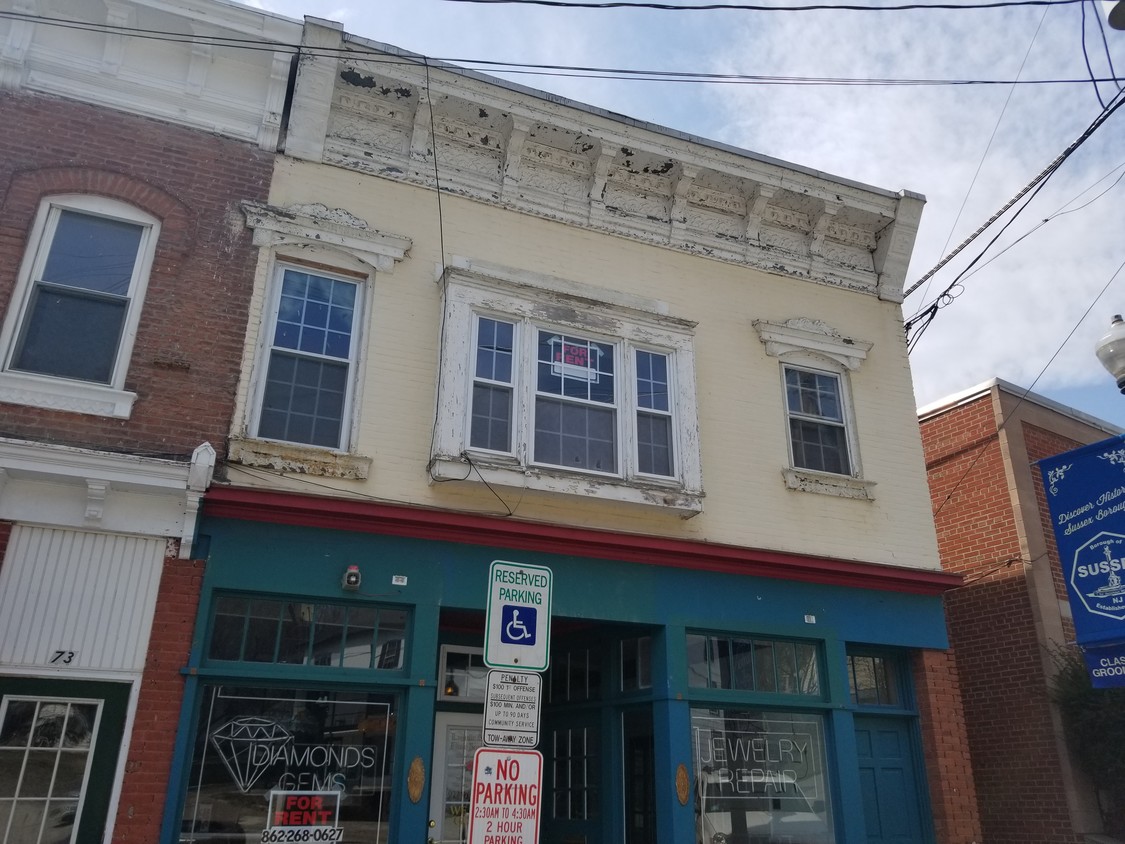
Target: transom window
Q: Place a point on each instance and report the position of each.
(543, 379)
(579, 392)
(817, 432)
(873, 680)
(306, 397)
(296, 633)
(753, 664)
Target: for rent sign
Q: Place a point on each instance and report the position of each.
(301, 816)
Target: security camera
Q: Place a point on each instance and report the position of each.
(352, 578)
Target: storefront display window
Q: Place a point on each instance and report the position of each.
(761, 777)
(259, 750)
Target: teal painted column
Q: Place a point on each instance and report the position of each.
(847, 797)
(671, 727)
(410, 819)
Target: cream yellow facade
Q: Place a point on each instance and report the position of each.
(819, 262)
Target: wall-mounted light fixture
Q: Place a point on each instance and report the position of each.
(352, 578)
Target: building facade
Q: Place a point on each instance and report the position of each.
(125, 277)
(492, 325)
(451, 322)
(1011, 614)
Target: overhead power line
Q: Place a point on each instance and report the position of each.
(555, 70)
(741, 7)
(1035, 183)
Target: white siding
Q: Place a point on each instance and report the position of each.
(92, 594)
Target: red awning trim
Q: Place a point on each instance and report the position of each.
(450, 526)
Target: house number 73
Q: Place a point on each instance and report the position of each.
(62, 658)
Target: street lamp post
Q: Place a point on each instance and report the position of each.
(1110, 350)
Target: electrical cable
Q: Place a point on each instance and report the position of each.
(532, 69)
(1105, 42)
(1027, 391)
(818, 7)
(991, 138)
(1034, 185)
(1058, 213)
(1086, 58)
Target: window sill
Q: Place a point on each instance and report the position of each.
(806, 480)
(671, 496)
(60, 394)
(299, 459)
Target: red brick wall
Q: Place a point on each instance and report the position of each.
(148, 765)
(992, 633)
(953, 795)
(185, 362)
(5, 535)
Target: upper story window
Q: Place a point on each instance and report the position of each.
(820, 424)
(306, 395)
(539, 386)
(301, 399)
(817, 435)
(578, 399)
(69, 333)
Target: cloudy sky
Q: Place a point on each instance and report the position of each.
(1033, 306)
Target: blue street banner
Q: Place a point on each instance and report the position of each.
(1086, 499)
(1106, 666)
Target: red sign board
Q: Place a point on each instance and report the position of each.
(504, 808)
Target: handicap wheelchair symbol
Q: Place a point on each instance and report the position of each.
(517, 625)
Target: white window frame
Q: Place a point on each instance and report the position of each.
(58, 392)
(814, 346)
(326, 239)
(348, 420)
(474, 289)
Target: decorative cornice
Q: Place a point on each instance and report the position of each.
(449, 526)
(98, 478)
(434, 125)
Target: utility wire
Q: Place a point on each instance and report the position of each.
(1004, 421)
(991, 138)
(818, 7)
(1034, 184)
(526, 68)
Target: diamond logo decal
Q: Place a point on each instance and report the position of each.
(247, 747)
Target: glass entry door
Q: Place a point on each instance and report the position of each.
(457, 735)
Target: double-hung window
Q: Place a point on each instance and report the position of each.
(77, 304)
(310, 360)
(579, 388)
(816, 361)
(817, 433)
(548, 399)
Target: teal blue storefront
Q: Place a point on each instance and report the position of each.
(690, 697)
